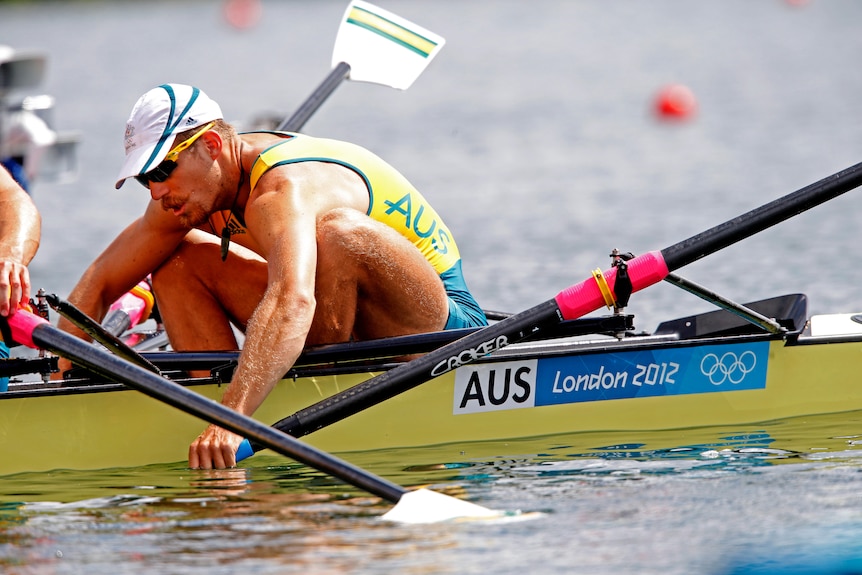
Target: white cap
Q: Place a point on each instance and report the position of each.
(158, 116)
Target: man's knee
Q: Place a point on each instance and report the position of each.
(340, 222)
(180, 265)
(343, 232)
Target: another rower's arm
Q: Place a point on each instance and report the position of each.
(21, 228)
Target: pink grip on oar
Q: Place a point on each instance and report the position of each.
(137, 303)
(130, 305)
(22, 325)
(580, 299)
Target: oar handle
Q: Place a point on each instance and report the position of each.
(22, 325)
(244, 451)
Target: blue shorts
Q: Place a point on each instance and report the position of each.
(463, 309)
(464, 315)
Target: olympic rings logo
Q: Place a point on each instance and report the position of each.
(729, 367)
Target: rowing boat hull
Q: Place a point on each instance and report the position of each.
(800, 380)
(538, 389)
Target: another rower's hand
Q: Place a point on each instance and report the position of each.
(14, 286)
(215, 448)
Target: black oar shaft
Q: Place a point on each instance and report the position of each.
(337, 75)
(571, 303)
(757, 220)
(50, 338)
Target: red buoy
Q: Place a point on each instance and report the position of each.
(241, 14)
(675, 102)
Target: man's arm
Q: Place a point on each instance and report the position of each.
(20, 232)
(286, 230)
(278, 328)
(137, 251)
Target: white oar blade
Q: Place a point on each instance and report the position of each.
(425, 506)
(383, 48)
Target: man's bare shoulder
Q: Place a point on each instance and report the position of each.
(316, 185)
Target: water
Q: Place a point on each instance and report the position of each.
(532, 133)
(720, 498)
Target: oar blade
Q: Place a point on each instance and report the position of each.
(425, 506)
(383, 48)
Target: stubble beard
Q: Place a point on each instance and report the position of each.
(198, 212)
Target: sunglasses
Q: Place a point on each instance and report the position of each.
(161, 172)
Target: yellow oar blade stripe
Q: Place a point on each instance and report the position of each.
(391, 31)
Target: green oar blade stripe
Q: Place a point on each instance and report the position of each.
(391, 31)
